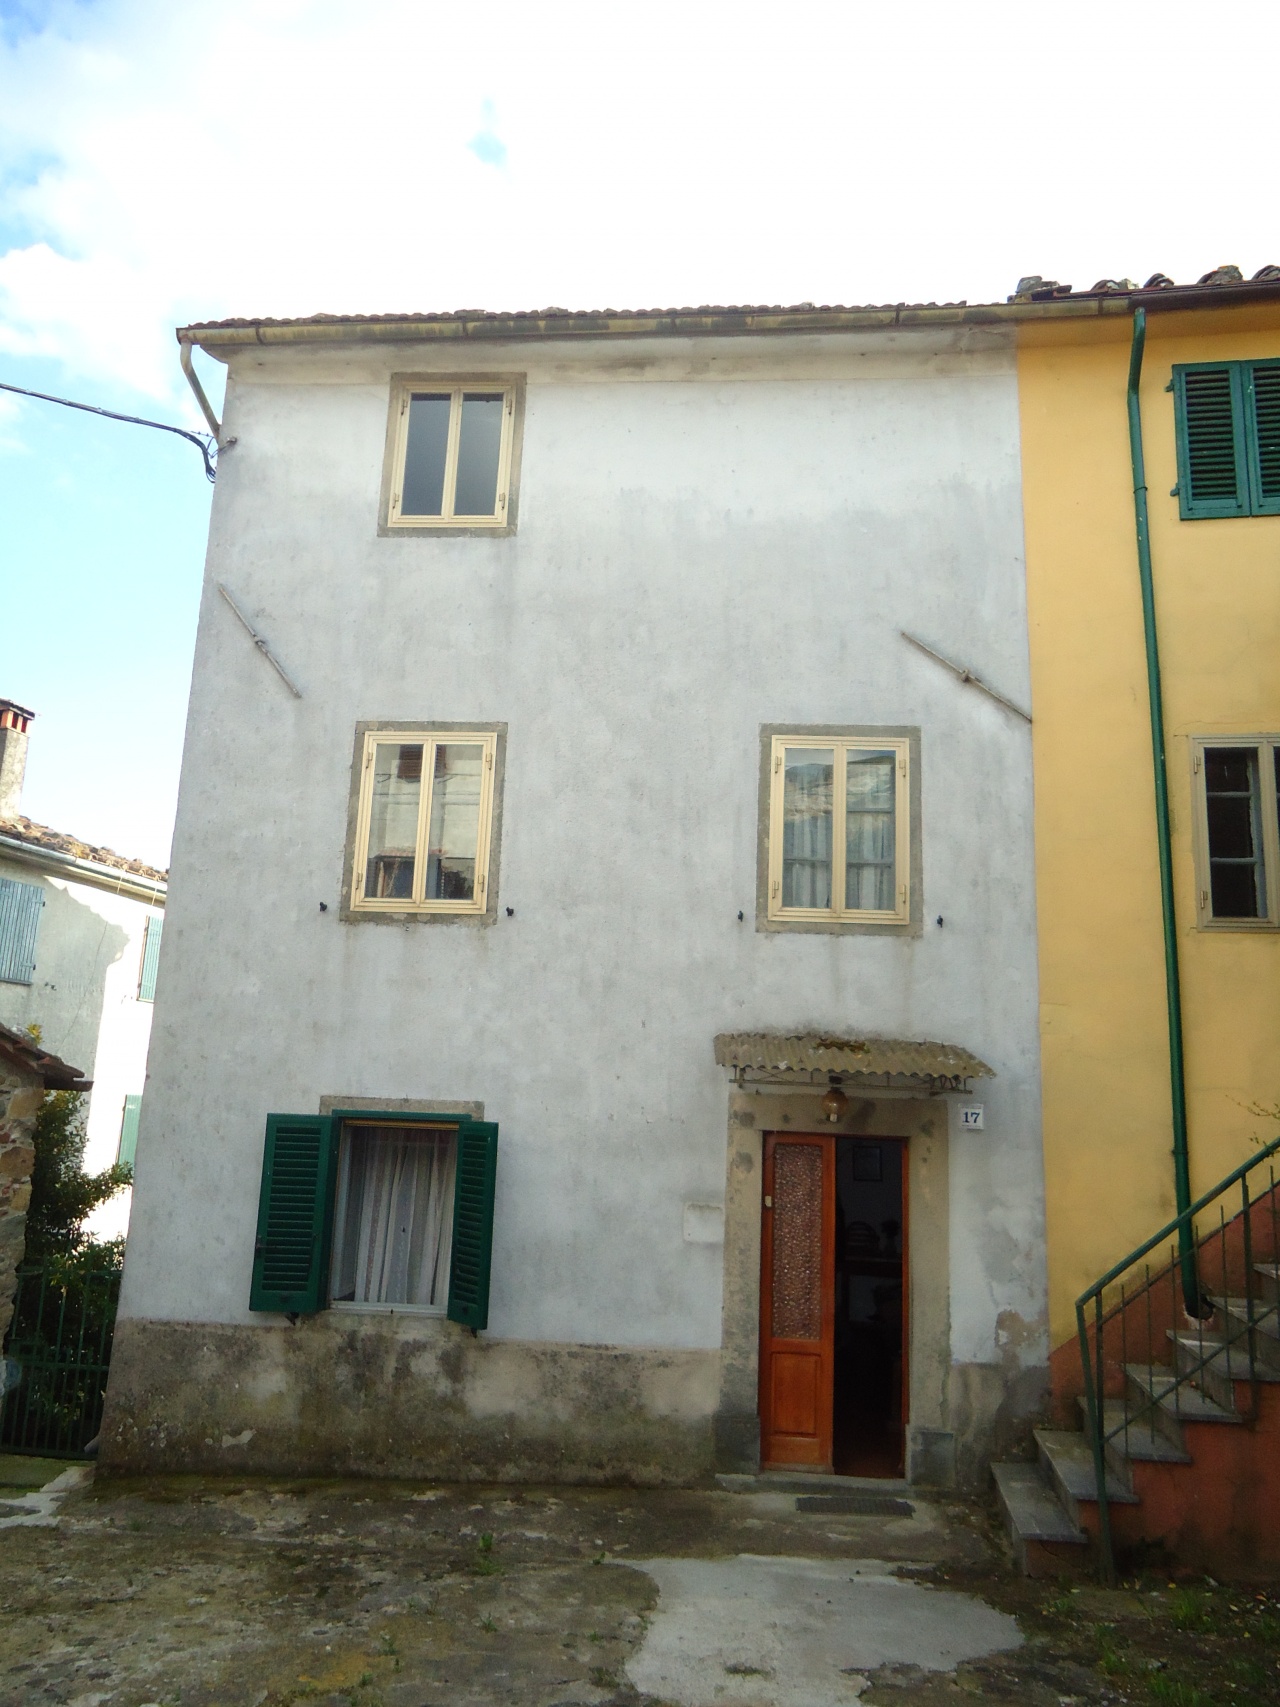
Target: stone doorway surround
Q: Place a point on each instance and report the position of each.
(893, 1090)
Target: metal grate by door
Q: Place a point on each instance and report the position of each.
(53, 1377)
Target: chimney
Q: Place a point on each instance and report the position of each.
(14, 724)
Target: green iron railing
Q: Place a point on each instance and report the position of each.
(1135, 1310)
(53, 1377)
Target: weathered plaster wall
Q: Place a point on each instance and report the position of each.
(711, 538)
(20, 1096)
(84, 997)
(403, 1396)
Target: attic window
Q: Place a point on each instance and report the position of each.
(451, 454)
(1228, 432)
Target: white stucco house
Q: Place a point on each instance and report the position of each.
(80, 933)
(599, 1038)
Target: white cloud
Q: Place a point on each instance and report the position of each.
(287, 156)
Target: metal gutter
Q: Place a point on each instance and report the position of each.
(193, 380)
(1172, 979)
(85, 871)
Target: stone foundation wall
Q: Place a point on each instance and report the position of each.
(20, 1098)
(341, 1395)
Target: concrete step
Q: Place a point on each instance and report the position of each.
(1169, 1405)
(1045, 1541)
(1215, 1366)
(815, 1482)
(1270, 1273)
(1266, 1323)
(1066, 1461)
(1142, 1443)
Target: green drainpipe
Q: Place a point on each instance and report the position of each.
(1173, 988)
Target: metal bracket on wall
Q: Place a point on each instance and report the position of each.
(260, 643)
(966, 676)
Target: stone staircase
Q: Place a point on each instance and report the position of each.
(1194, 1475)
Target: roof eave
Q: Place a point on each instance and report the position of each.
(114, 879)
(463, 328)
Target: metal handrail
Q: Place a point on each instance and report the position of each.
(1093, 1359)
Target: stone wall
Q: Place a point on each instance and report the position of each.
(20, 1096)
(342, 1394)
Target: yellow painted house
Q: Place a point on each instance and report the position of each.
(1208, 395)
(1150, 428)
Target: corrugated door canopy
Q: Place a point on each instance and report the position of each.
(815, 1054)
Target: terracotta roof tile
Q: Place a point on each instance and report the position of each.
(57, 1074)
(41, 836)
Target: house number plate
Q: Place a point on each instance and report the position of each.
(971, 1118)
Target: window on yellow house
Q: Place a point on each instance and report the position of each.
(1228, 430)
(1238, 831)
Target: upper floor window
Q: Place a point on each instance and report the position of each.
(451, 453)
(1238, 841)
(150, 959)
(839, 841)
(424, 819)
(20, 905)
(1228, 430)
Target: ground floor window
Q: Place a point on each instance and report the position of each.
(1238, 831)
(393, 1223)
(376, 1209)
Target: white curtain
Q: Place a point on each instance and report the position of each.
(869, 832)
(395, 1216)
(806, 829)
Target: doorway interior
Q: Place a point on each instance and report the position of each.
(868, 1367)
(833, 1364)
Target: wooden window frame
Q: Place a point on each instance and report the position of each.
(1244, 432)
(1264, 747)
(900, 915)
(403, 387)
(418, 906)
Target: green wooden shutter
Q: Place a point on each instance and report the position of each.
(1262, 414)
(20, 905)
(129, 1130)
(150, 960)
(295, 1214)
(473, 1223)
(1212, 462)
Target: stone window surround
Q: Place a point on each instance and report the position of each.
(443, 726)
(830, 926)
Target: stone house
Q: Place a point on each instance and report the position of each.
(80, 932)
(601, 1034)
(26, 1072)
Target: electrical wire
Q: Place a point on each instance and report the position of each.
(205, 443)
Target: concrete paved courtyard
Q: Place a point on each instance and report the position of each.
(182, 1593)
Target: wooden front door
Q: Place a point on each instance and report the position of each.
(797, 1300)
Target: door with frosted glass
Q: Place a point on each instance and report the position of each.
(797, 1310)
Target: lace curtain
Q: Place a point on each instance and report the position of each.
(394, 1219)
